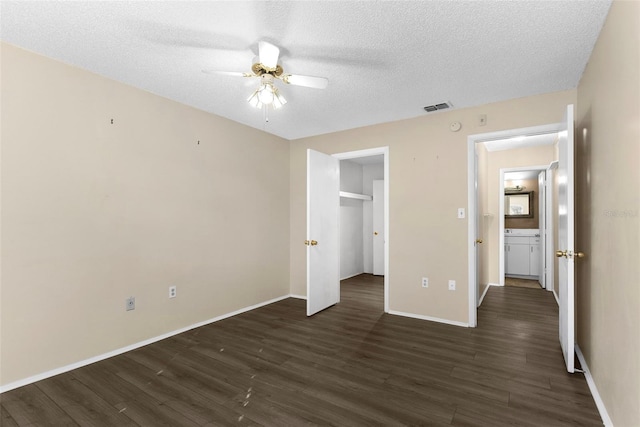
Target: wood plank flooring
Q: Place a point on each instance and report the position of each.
(350, 365)
(522, 283)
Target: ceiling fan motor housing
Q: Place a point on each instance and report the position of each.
(259, 70)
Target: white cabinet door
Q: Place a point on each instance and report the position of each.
(534, 257)
(517, 261)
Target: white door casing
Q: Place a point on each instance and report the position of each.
(542, 214)
(378, 227)
(323, 233)
(566, 243)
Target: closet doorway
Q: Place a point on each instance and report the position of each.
(364, 229)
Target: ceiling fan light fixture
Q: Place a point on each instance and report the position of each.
(266, 94)
(266, 68)
(254, 101)
(278, 100)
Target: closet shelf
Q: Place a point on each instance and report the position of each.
(348, 195)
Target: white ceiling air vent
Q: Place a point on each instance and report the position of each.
(442, 106)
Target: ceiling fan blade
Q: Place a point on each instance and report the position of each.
(229, 73)
(268, 54)
(306, 81)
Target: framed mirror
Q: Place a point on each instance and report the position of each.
(518, 205)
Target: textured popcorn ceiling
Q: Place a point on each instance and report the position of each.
(384, 60)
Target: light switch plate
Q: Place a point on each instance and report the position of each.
(461, 213)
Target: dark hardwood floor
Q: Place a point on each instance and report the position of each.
(349, 365)
(522, 283)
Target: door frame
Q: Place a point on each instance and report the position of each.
(368, 153)
(472, 176)
(501, 216)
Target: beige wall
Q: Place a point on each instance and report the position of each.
(496, 160)
(608, 226)
(428, 182)
(94, 212)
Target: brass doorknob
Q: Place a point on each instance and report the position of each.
(478, 240)
(375, 233)
(310, 242)
(306, 242)
(313, 243)
(580, 255)
(561, 254)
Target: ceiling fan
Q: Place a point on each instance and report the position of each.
(268, 70)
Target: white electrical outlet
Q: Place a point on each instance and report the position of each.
(425, 282)
(452, 285)
(482, 120)
(172, 291)
(131, 304)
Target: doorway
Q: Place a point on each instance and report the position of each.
(323, 226)
(523, 223)
(374, 201)
(563, 213)
(362, 231)
(478, 218)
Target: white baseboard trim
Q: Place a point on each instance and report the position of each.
(429, 318)
(485, 292)
(350, 276)
(298, 296)
(80, 364)
(594, 390)
(556, 297)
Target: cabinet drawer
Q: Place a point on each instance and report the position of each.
(516, 240)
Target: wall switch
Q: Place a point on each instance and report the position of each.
(425, 282)
(452, 285)
(460, 213)
(172, 291)
(482, 119)
(131, 304)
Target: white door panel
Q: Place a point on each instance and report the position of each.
(566, 218)
(323, 241)
(367, 236)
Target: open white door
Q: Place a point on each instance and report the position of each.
(378, 227)
(565, 247)
(323, 241)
